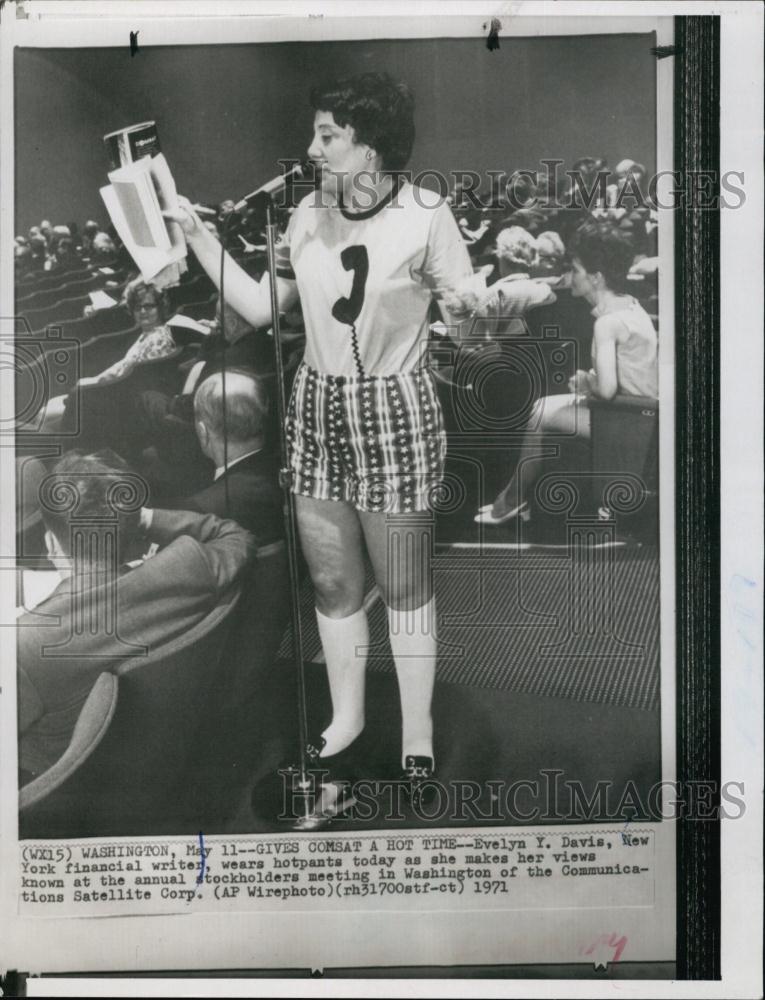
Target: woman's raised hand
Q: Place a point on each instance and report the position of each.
(186, 217)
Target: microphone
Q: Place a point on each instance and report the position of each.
(280, 183)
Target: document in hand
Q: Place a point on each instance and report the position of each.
(135, 199)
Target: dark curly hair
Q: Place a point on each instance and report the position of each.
(604, 247)
(380, 111)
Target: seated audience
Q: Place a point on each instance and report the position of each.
(550, 259)
(245, 482)
(627, 191)
(624, 354)
(112, 579)
(103, 404)
(103, 251)
(89, 231)
(64, 256)
(150, 308)
(47, 230)
(507, 300)
(175, 463)
(23, 262)
(39, 249)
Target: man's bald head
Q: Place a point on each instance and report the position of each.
(246, 408)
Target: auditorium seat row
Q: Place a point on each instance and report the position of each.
(132, 766)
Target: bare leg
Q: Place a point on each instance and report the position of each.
(333, 547)
(400, 548)
(564, 414)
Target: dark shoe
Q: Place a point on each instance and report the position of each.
(342, 766)
(418, 769)
(419, 774)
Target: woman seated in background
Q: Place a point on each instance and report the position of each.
(104, 406)
(149, 308)
(551, 256)
(624, 357)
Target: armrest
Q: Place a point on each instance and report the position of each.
(90, 729)
(625, 403)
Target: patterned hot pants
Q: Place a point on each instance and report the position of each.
(377, 442)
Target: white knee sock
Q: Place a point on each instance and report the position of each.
(413, 641)
(345, 642)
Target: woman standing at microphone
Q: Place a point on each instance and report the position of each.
(365, 254)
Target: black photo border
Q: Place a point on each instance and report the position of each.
(697, 491)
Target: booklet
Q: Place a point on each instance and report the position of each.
(135, 199)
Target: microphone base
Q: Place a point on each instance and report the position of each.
(303, 802)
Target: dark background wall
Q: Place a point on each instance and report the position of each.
(226, 114)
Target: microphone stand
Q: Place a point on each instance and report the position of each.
(317, 809)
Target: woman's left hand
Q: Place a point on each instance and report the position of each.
(580, 382)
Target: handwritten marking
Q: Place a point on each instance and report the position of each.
(492, 42)
(202, 859)
(662, 51)
(602, 945)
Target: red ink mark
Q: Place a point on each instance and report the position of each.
(605, 948)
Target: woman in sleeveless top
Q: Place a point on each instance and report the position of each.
(624, 360)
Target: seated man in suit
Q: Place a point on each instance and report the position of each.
(112, 604)
(175, 465)
(245, 483)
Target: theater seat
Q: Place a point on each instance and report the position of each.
(102, 321)
(47, 297)
(624, 440)
(204, 309)
(39, 319)
(90, 729)
(259, 624)
(195, 290)
(131, 783)
(254, 701)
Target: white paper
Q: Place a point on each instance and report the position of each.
(187, 323)
(100, 300)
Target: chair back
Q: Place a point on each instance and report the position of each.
(624, 448)
(52, 315)
(255, 700)
(134, 782)
(37, 799)
(624, 436)
(100, 322)
(259, 623)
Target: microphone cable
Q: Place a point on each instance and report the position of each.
(222, 328)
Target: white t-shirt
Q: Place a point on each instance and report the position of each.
(398, 256)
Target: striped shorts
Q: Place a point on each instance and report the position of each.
(377, 442)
